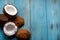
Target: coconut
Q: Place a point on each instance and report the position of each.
(3, 19)
(10, 29)
(10, 11)
(19, 21)
(23, 34)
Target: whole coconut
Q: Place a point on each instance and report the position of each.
(23, 34)
(19, 21)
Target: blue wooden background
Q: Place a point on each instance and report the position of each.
(42, 18)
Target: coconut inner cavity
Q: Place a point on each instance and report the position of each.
(10, 27)
(10, 9)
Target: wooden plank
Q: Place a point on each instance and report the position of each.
(38, 20)
(53, 19)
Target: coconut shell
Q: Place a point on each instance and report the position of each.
(19, 21)
(10, 29)
(11, 17)
(3, 19)
(23, 34)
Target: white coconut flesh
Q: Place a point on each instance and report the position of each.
(10, 28)
(10, 9)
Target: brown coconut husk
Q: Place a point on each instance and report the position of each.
(3, 19)
(23, 34)
(19, 21)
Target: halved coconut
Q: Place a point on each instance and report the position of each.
(23, 34)
(10, 29)
(19, 21)
(3, 19)
(10, 10)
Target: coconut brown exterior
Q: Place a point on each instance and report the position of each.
(19, 21)
(23, 34)
(3, 19)
(11, 17)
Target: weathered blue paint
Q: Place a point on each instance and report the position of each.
(38, 20)
(53, 19)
